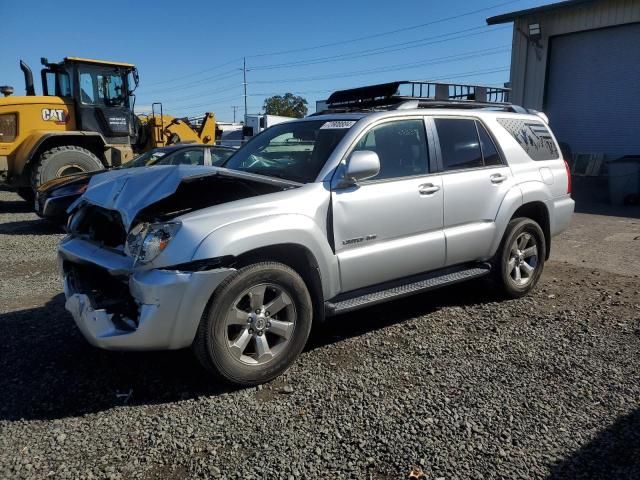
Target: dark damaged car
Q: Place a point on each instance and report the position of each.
(54, 197)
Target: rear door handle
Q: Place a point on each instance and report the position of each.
(428, 189)
(498, 178)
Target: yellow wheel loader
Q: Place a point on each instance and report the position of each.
(83, 121)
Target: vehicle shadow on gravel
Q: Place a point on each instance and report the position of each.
(613, 454)
(386, 314)
(29, 227)
(49, 371)
(15, 206)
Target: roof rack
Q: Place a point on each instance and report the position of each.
(419, 94)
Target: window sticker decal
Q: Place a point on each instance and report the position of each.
(534, 137)
(334, 124)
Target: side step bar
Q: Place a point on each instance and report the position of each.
(404, 287)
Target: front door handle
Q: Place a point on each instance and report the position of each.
(428, 189)
(498, 178)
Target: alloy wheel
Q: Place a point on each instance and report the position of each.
(523, 259)
(260, 324)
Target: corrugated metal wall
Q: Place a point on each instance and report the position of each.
(529, 63)
(593, 90)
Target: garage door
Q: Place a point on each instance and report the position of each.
(593, 90)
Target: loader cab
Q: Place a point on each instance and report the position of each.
(101, 93)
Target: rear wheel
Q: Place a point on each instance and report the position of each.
(61, 161)
(257, 323)
(520, 259)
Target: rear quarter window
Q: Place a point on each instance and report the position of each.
(534, 137)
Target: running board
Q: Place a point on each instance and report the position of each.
(404, 287)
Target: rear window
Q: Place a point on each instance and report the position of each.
(534, 137)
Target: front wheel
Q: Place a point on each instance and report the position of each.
(257, 323)
(520, 258)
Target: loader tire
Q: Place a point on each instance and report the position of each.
(61, 161)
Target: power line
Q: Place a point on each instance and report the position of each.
(195, 73)
(450, 76)
(214, 78)
(207, 93)
(466, 33)
(392, 68)
(216, 101)
(342, 42)
(431, 40)
(390, 32)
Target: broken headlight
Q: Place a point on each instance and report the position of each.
(147, 240)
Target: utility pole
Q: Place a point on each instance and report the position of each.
(244, 83)
(235, 108)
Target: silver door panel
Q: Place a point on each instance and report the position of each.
(380, 262)
(472, 199)
(385, 230)
(474, 237)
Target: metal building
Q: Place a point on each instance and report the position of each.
(579, 62)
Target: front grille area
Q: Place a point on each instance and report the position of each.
(99, 225)
(105, 292)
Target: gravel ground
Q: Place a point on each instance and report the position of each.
(459, 386)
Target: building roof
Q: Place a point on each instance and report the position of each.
(510, 17)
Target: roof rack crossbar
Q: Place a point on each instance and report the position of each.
(389, 95)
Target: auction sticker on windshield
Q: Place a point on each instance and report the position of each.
(338, 124)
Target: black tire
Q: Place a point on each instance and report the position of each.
(211, 344)
(61, 161)
(504, 272)
(26, 193)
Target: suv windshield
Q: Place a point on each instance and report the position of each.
(293, 150)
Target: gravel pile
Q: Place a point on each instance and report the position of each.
(456, 385)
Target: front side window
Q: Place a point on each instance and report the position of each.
(401, 147)
(294, 150)
(220, 155)
(111, 90)
(146, 159)
(102, 88)
(58, 84)
(184, 157)
(86, 88)
(459, 143)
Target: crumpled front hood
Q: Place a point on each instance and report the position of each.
(129, 191)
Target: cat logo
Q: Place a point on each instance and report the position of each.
(58, 116)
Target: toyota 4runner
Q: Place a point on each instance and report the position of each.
(384, 195)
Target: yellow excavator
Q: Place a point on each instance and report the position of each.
(83, 121)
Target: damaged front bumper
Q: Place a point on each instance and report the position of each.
(118, 308)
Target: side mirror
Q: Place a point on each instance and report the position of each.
(362, 164)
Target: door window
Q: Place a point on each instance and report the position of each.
(111, 90)
(459, 143)
(184, 157)
(489, 151)
(219, 155)
(86, 88)
(401, 147)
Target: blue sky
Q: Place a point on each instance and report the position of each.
(189, 54)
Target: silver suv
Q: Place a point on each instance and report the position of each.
(382, 196)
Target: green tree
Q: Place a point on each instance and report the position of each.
(287, 105)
